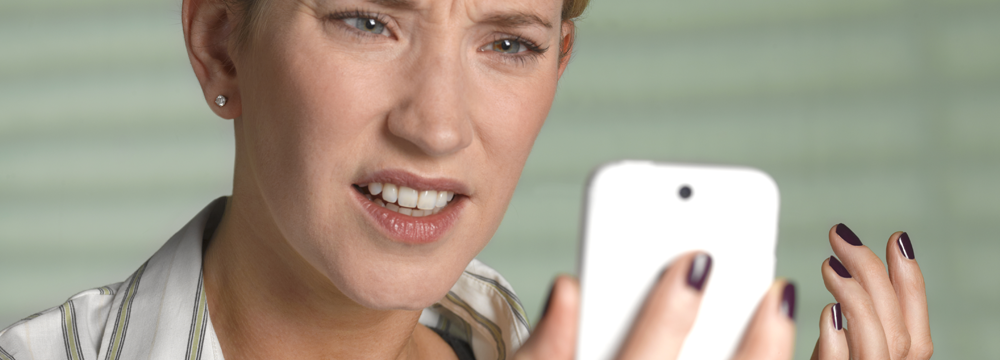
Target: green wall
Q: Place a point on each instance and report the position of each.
(882, 114)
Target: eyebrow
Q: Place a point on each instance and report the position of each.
(513, 19)
(395, 4)
(516, 19)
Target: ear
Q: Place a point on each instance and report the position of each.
(207, 26)
(566, 45)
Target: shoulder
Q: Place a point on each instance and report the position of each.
(496, 286)
(74, 327)
(482, 309)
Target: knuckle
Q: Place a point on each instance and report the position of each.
(900, 346)
(921, 351)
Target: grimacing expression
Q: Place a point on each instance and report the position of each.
(386, 137)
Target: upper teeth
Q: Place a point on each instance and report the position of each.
(409, 201)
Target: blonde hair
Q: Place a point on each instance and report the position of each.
(251, 18)
(573, 9)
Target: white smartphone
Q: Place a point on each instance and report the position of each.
(640, 215)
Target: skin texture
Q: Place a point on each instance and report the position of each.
(885, 313)
(319, 105)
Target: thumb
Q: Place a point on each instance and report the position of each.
(771, 333)
(555, 335)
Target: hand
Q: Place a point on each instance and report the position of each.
(886, 312)
(664, 321)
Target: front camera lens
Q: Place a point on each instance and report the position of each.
(685, 192)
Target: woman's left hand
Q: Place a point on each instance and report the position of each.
(886, 312)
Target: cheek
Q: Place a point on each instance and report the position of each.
(510, 115)
(310, 118)
(316, 115)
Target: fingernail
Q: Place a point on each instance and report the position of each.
(839, 268)
(548, 301)
(905, 247)
(848, 235)
(788, 301)
(700, 267)
(838, 320)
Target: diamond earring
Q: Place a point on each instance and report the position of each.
(220, 100)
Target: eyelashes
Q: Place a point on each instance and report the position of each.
(514, 48)
(503, 43)
(359, 13)
(363, 23)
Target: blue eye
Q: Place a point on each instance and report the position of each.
(368, 25)
(508, 46)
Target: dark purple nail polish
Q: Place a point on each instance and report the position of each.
(839, 268)
(848, 235)
(905, 247)
(838, 320)
(700, 267)
(788, 301)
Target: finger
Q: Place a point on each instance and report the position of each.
(832, 342)
(908, 281)
(864, 329)
(555, 335)
(771, 334)
(670, 310)
(869, 271)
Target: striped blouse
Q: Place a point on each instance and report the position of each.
(160, 312)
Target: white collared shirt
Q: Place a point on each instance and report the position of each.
(160, 312)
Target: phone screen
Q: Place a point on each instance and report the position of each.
(640, 215)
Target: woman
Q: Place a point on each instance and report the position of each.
(378, 143)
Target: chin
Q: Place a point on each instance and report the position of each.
(387, 286)
(384, 275)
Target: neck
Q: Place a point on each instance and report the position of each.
(267, 302)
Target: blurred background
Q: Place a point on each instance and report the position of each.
(882, 114)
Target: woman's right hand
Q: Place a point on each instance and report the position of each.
(664, 322)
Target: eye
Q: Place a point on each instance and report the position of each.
(508, 46)
(369, 25)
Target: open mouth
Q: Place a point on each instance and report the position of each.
(405, 200)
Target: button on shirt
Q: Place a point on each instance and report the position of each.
(160, 312)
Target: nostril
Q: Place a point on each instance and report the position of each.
(435, 133)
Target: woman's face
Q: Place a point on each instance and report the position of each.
(427, 97)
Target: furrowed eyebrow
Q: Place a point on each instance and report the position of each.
(395, 4)
(512, 19)
(517, 19)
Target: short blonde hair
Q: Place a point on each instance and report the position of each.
(573, 9)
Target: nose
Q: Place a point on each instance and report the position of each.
(433, 114)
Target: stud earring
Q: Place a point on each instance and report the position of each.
(220, 100)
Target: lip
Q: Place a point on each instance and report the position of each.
(408, 229)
